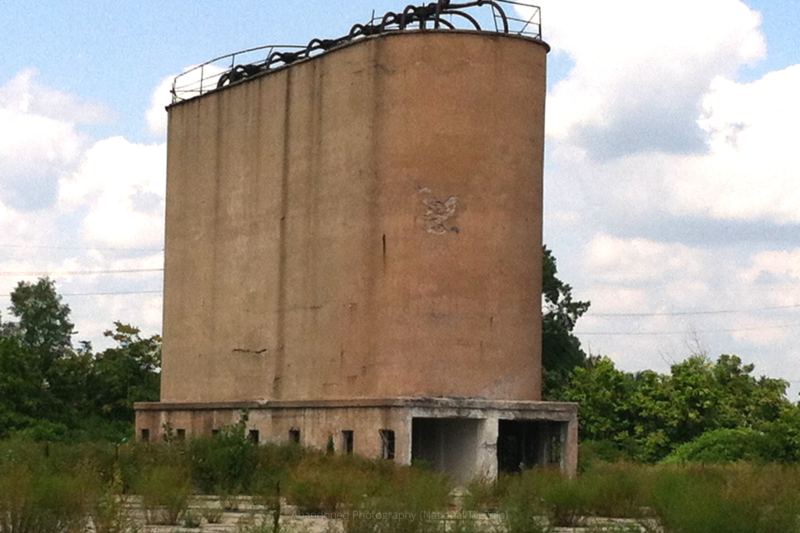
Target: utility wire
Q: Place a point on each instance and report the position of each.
(682, 332)
(82, 272)
(110, 293)
(46, 247)
(686, 313)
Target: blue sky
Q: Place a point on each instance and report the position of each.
(672, 198)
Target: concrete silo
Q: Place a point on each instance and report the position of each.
(353, 249)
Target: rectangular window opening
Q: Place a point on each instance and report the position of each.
(180, 434)
(294, 435)
(347, 441)
(387, 444)
(145, 435)
(253, 436)
(214, 432)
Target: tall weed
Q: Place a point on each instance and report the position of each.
(165, 492)
(739, 499)
(41, 502)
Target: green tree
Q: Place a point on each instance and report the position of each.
(20, 386)
(50, 390)
(43, 322)
(647, 415)
(44, 328)
(126, 373)
(561, 349)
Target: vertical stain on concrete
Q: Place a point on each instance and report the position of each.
(280, 355)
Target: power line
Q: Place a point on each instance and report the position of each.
(769, 286)
(685, 313)
(47, 247)
(82, 272)
(110, 293)
(683, 332)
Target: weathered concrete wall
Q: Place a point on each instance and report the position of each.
(457, 436)
(316, 425)
(363, 224)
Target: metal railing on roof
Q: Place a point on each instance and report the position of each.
(517, 17)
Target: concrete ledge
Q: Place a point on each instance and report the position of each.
(565, 408)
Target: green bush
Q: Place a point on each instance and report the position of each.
(41, 502)
(612, 491)
(592, 453)
(191, 519)
(256, 523)
(135, 458)
(617, 491)
(566, 501)
(327, 483)
(109, 515)
(487, 496)
(409, 500)
(165, 492)
(224, 462)
(212, 513)
(724, 446)
(273, 472)
(523, 507)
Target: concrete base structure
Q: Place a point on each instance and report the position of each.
(466, 438)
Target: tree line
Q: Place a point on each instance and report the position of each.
(52, 390)
(704, 409)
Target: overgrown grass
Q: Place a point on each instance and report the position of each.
(165, 492)
(58, 488)
(673, 499)
(731, 499)
(34, 501)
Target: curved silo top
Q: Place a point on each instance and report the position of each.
(509, 17)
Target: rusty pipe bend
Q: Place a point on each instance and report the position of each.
(391, 21)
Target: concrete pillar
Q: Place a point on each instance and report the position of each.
(486, 460)
(569, 438)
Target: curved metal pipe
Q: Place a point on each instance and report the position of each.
(410, 16)
(446, 23)
(468, 17)
(497, 7)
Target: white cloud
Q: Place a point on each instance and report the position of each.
(751, 172)
(157, 114)
(191, 82)
(772, 266)
(102, 199)
(25, 95)
(760, 331)
(618, 260)
(641, 69)
(123, 184)
(649, 121)
(37, 142)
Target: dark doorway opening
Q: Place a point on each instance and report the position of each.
(448, 445)
(523, 444)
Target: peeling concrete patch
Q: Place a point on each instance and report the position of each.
(438, 212)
